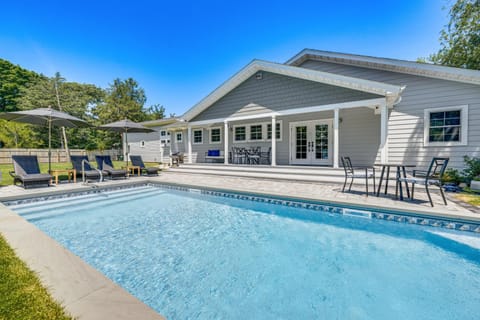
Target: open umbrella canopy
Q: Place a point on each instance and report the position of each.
(125, 126)
(44, 116)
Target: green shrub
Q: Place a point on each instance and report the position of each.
(452, 176)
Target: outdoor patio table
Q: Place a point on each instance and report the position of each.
(401, 169)
(70, 173)
(131, 170)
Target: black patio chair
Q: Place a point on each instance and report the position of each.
(27, 172)
(352, 173)
(432, 176)
(138, 162)
(83, 168)
(105, 163)
(265, 156)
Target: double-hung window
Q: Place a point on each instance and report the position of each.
(446, 126)
(256, 132)
(215, 135)
(278, 131)
(198, 136)
(240, 134)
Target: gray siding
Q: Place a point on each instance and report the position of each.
(150, 151)
(277, 92)
(406, 140)
(359, 136)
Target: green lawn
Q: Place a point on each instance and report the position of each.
(21, 294)
(469, 197)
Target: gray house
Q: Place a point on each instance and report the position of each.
(324, 105)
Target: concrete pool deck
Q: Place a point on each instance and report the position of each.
(87, 294)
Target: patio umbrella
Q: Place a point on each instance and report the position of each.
(45, 117)
(125, 126)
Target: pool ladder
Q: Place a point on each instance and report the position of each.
(84, 182)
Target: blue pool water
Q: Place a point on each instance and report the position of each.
(196, 256)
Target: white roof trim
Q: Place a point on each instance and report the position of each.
(394, 65)
(370, 103)
(373, 87)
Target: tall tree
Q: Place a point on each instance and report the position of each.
(155, 112)
(73, 98)
(124, 99)
(460, 40)
(12, 79)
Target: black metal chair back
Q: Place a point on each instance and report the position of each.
(347, 165)
(437, 168)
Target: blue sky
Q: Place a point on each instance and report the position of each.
(179, 51)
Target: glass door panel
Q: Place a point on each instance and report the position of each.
(301, 142)
(321, 141)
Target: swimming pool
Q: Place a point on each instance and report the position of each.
(194, 255)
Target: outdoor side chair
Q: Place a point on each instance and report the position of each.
(352, 173)
(83, 168)
(432, 176)
(138, 162)
(105, 163)
(27, 172)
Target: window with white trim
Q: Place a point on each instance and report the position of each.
(164, 133)
(179, 136)
(446, 126)
(256, 132)
(198, 136)
(215, 135)
(240, 133)
(278, 131)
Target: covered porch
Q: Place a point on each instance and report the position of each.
(308, 136)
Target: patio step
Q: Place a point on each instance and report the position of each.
(293, 173)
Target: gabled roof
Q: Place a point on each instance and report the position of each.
(160, 122)
(379, 88)
(402, 66)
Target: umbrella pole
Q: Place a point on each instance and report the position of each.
(126, 146)
(49, 146)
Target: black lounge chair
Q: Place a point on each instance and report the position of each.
(27, 172)
(357, 172)
(84, 169)
(105, 163)
(433, 176)
(138, 162)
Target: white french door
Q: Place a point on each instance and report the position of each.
(311, 142)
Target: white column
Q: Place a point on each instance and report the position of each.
(384, 133)
(225, 142)
(274, 142)
(189, 141)
(336, 124)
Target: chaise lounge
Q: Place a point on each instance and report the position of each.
(138, 162)
(27, 172)
(104, 163)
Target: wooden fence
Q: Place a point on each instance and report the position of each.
(58, 155)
